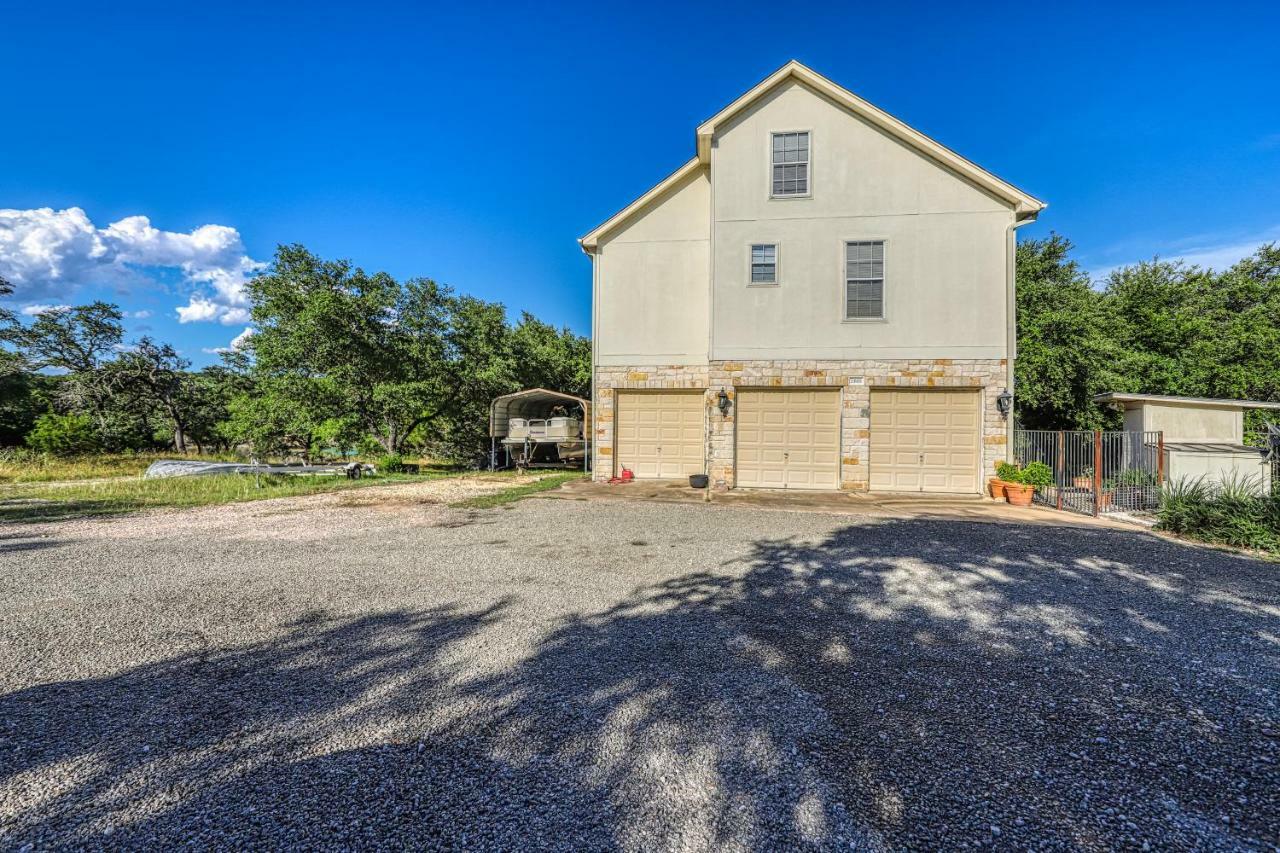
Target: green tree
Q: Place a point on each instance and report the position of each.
(19, 403)
(1154, 319)
(396, 357)
(154, 376)
(1189, 331)
(546, 357)
(64, 435)
(281, 415)
(210, 392)
(6, 316)
(1065, 352)
(76, 341)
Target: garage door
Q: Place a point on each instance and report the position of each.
(660, 435)
(789, 439)
(925, 441)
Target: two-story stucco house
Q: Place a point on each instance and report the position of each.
(822, 298)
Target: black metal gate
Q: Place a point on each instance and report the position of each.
(1096, 471)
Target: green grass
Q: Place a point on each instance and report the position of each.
(18, 465)
(49, 501)
(24, 466)
(516, 493)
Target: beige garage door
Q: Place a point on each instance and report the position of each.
(925, 441)
(789, 439)
(660, 435)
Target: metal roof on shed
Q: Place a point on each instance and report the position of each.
(532, 402)
(1209, 402)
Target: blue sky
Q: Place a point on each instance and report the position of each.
(474, 144)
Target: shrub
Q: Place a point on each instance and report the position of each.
(63, 435)
(390, 463)
(1134, 477)
(1037, 474)
(1232, 512)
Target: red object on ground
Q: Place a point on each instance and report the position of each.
(627, 476)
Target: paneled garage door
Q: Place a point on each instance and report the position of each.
(925, 441)
(660, 435)
(789, 439)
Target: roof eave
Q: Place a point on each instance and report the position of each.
(590, 241)
(1205, 402)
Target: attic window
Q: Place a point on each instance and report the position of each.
(791, 164)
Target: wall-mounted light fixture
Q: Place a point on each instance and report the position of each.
(1004, 403)
(723, 402)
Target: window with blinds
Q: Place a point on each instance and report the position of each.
(764, 263)
(864, 280)
(791, 163)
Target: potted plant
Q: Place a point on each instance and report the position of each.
(1133, 487)
(1083, 480)
(1022, 488)
(1004, 471)
(1108, 492)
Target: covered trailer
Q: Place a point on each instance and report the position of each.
(539, 428)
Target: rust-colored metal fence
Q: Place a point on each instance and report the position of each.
(1096, 471)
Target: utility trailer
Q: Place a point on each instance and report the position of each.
(537, 428)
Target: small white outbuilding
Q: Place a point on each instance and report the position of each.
(1202, 437)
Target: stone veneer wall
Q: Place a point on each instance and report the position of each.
(854, 378)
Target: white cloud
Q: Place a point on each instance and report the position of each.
(50, 253)
(237, 343)
(138, 315)
(1215, 255)
(38, 308)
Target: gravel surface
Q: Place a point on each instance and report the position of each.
(598, 675)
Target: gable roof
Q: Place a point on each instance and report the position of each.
(1025, 205)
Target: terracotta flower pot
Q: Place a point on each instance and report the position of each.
(1018, 494)
(1082, 482)
(996, 486)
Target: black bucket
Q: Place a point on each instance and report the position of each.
(699, 481)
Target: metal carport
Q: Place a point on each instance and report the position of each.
(533, 403)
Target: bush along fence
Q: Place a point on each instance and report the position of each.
(1095, 471)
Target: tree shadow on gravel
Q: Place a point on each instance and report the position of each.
(904, 684)
(13, 542)
(927, 685)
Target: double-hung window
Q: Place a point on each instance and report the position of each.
(764, 263)
(864, 280)
(791, 164)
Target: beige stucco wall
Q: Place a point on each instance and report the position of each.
(1186, 422)
(1218, 467)
(651, 281)
(945, 259)
(855, 379)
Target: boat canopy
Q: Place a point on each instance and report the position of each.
(533, 403)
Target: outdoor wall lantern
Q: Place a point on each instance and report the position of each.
(722, 400)
(1004, 403)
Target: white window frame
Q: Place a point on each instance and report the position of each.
(844, 280)
(777, 263)
(808, 193)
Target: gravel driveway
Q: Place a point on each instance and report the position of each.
(602, 675)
